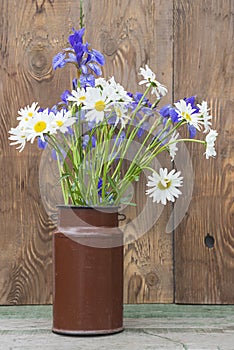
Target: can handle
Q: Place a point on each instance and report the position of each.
(121, 217)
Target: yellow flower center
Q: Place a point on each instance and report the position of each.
(100, 106)
(82, 98)
(40, 126)
(164, 187)
(118, 112)
(186, 116)
(30, 114)
(59, 123)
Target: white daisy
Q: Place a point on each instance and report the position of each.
(62, 120)
(186, 112)
(210, 144)
(19, 136)
(148, 75)
(150, 79)
(204, 111)
(159, 90)
(28, 112)
(172, 145)
(101, 82)
(77, 96)
(97, 103)
(121, 114)
(164, 185)
(118, 91)
(40, 125)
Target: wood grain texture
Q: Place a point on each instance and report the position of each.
(132, 33)
(203, 65)
(31, 33)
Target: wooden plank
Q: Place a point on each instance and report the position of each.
(31, 33)
(222, 314)
(203, 65)
(132, 34)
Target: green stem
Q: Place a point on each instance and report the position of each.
(81, 14)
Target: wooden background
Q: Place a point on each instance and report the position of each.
(190, 46)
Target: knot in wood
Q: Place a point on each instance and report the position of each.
(151, 279)
(38, 65)
(110, 47)
(38, 60)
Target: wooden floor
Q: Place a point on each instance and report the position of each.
(155, 327)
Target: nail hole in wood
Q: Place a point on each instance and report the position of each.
(209, 241)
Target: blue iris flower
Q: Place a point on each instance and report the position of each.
(137, 97)
(96, 56)
(65, 96)
(61, 156)
(59, 61)
(168, 111)
(165, 110)
(99, 186)
(121, 138)
(54, 109)
(87, 60)
(192, 131)
(80, 49)
(74, 83)
(174, 115)
(144, 127)
(145, 105)
(87, 79)
(190, 100)
(76, 37)
(95, 68)
(86, 140)
(41, 144)
(54, 154)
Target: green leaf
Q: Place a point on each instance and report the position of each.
(128, 203)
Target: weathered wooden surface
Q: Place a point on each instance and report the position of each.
(169, 327)
(132, 34)
(31, 33)
(203, 65)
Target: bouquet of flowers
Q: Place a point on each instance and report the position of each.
(96, 124)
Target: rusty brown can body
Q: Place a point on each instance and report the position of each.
(87, 272)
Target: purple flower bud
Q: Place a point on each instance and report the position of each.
(76, 37)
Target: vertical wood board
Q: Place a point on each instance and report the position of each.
(31, 33)
(203, 65)
(132, 34)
